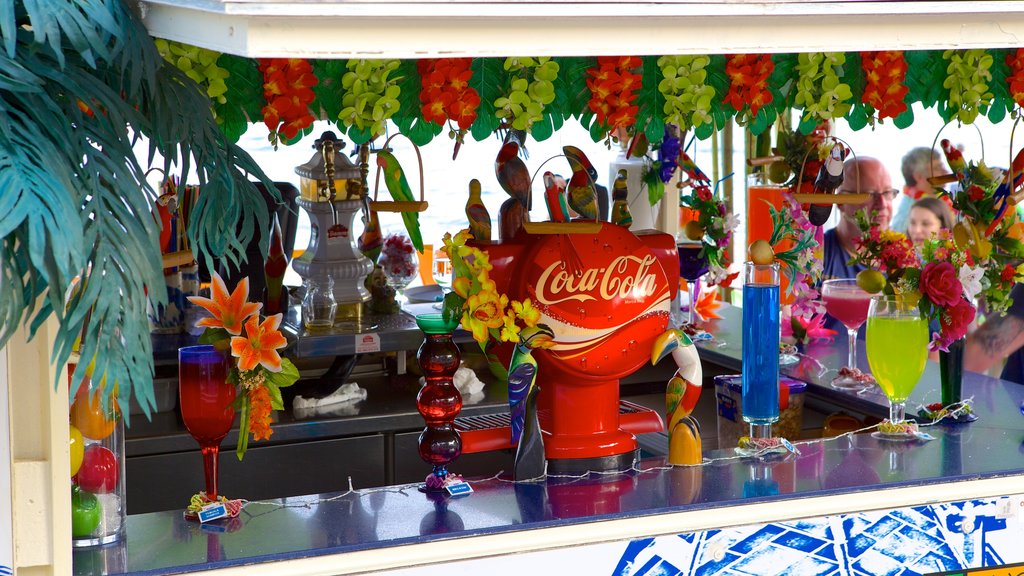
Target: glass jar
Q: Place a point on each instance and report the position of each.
(96, 437)
(319, 305)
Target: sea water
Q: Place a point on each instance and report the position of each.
(760, 353)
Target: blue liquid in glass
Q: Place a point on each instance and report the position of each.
(760, 353)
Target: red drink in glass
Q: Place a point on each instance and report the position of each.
(205, 398)
(848, 303)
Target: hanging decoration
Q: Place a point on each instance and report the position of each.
(446, 96)
(287, 84)
(613, 84)
(967, 80)
(200, 65)
(1015, 79)
(748, 84)
(819, 89)
(370, 97)
(884, 87)
(530, 87)
(687, 95)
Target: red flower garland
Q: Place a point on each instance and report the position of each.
(612, 84)
(287, 88)
(748, 81)
(445, 92)
(884, 87)
(1015, 79)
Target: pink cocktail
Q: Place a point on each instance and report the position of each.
(848, 303)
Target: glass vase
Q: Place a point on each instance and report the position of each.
(760, 347)
(96, 436)
(438, 401)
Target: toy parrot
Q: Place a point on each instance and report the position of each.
(522, 402)
(371, 241)
(1001, 198)
(512, 174)
(554, 197)
(620, 201)
(687, 165)
(684, 446)
(479, 218)
(398, 186)
(955, 160)
(581, 193)
(274, 268)
(830, 176)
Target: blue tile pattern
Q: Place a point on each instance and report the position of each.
(901, 542)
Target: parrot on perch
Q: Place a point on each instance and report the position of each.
(476, 212)
(684, 445)
(398, 186)
(620, 201)
(554, 197)
(830, 176)
(522, 401)
(695, 174)
(955, 160)
(512, 174)
(581, 193)
(1001, 198)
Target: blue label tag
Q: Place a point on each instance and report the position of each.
(212, 512)
(459, 488)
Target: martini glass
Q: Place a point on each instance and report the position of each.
(692, 265)
(848, 303)
(897, 344)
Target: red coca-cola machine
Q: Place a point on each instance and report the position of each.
(606, 295)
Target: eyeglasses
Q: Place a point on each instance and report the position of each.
(876, 195)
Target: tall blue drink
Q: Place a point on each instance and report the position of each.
(760, 346)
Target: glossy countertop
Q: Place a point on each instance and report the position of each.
(845, 474)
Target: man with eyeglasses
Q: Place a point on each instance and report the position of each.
(860, 175)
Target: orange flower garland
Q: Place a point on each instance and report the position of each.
(1015, 79)
(287, 88)
(445, 93)
(748, 81)
(260, 404)
(612, 84)
(884, 87)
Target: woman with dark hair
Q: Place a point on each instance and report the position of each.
(927, 216)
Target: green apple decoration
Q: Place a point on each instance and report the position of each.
(85, 513)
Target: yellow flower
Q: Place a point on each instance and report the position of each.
(484, 311)
(892, 236)
(486, 284)
(510, 330)
(526, 312)
(479, 261)
(461, 286)
(452, 244)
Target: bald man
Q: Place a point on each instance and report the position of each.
(860, 175)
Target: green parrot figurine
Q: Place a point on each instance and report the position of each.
(398, 186)
(522, 401)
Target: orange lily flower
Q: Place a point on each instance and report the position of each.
(260, 413)
(260, 345)
(228, 310)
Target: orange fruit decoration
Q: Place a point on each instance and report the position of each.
(88, 416)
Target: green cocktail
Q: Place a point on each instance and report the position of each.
(897, 345)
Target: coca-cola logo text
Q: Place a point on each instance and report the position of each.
(556, 284)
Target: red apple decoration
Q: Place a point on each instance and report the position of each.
(99, 470)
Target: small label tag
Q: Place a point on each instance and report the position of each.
(212, 512)
(367, 343)
(336, 233)
(459, 488)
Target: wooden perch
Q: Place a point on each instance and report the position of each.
(179, 258)
(764, 160)
(562, 227)
(940, 180)
(832, 198)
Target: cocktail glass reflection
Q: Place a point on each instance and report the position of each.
(692, 265)
(897, 344)
(848, 303)
(206, 398)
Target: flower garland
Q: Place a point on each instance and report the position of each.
(612, 84)
(748, 83)
(287, 88)
(1015, 79)
(687, 96)
(199, 64)
(884, 88)
(967, 82)
(371, 94)
(446, 95)
(531, 87)
(260, 371)
(818, 88)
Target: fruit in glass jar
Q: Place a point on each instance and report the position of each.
(77, 445)
(88, 415)
(99, 470)
(761, 252)
(85, 513)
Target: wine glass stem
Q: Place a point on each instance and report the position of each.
(210, 455)
(691, 292)
(851, 358)
(897, 411)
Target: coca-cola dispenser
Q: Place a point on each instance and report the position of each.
(606, 296)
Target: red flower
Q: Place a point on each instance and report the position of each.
(955, 319)
(1015, 79)
(445, 92)
(975, 192)
(884, 88)
(748, 81)
(940, 283)
(1007, 273)
(287, 87)
(612, 84)
(704, 193)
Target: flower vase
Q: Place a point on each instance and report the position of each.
(438, 401)
(951, 375)
(98, 510)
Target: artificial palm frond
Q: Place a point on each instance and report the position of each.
(80, 83)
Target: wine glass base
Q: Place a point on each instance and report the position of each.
(788, 359)
(895, 436)
(850, 384)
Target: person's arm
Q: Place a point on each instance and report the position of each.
(993, 341)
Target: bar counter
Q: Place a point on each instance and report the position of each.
(606, 523)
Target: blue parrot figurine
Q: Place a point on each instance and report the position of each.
(581, 193)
